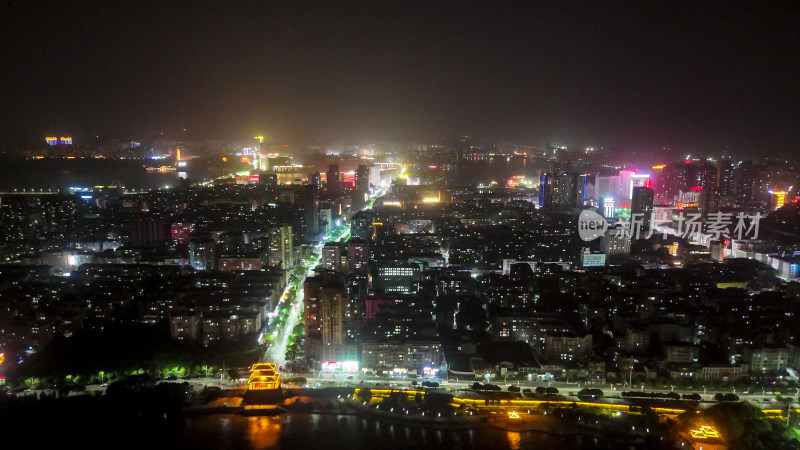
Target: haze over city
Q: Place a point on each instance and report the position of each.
(693, 77)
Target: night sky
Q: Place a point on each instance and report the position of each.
(694, 76)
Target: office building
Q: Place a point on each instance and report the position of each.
(725, 176)
(562, 191)
(281, 247)
(334, 256)
(202, 252)
(616, 242)
(332, 180)
(642, 204)
(362, 178)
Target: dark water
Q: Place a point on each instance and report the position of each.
(327, 432)
(63, 173)
(499, 169)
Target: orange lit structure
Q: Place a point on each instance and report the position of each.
(264, 376)
(778, 198)
(705, 432)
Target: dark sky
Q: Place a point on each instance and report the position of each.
(695, 76)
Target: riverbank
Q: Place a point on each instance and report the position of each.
(522, 423)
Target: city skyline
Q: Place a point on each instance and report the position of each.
(400, 225)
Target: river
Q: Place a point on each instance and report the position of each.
(64, 173)
(330, 431)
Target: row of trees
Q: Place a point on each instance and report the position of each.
(540, 391)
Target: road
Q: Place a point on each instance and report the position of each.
(276, 352)
(320, 380)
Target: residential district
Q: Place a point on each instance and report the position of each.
(465, 265)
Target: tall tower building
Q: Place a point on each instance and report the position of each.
(642, 203)
(361, 225)
(615, 242)
(677, 177)
(281, 246)
(332, 255)
(725, 176)
(744, 178)
(560, 191)
(336, 346)
(357, 257)
(202, 252)
(362, 178)
(332, 182)
(706, 177)
(312, 288)
(314, 179)
(311, 208)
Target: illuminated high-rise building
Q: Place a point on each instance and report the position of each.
(312, 320)
(357, 257)
(642, 203)
(311, 211)
(609, 207)
(281, 246)
(361, 225)
(744, 178)
(202, 252)
(362, 178)
(616, 242)
(314, 180)
(332, 180)
(725, 176)
(561, 191)
(705, 176)
(180, 231)
(66, 140)
(677, 177)
(333, 254)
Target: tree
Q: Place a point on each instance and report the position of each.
(719, 396)
(513, 389)
(364, 395)
(551, 391)
(233, 374)
(731, 397)
(590, 392)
